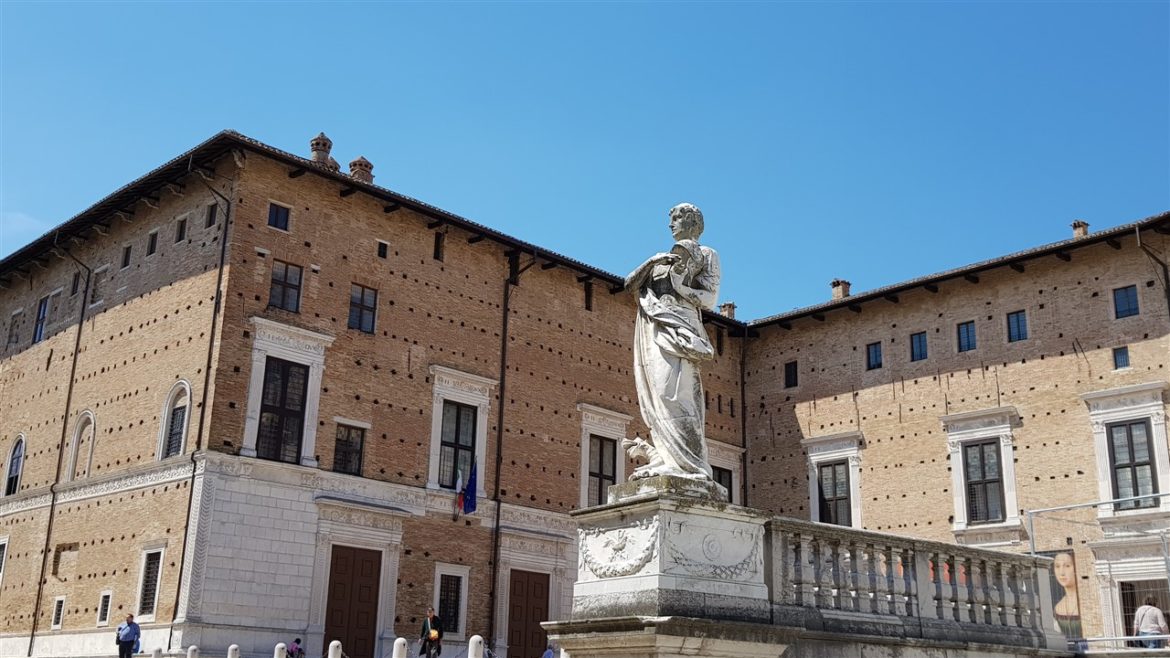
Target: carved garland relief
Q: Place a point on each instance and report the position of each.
(615, 552)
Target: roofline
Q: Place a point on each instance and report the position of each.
(1160, 223)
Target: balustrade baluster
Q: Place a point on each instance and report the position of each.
(836, 574)
(999, 591)
(869, 562)
(789, 551)
(806, 563)
(1015, 614)
(1031, 600)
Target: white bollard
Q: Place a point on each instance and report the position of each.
(280, 651)
(475, 647)
(157, 653)
(401, 648)
(192, 651)
(233, 651)
(334, 649)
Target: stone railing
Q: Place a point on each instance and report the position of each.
(843, 580)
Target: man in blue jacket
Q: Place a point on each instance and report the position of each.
(128, 635)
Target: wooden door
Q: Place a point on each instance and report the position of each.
(527, 607)
(351, 609)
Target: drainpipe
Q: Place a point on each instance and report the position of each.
(61, 446)
(223, 204)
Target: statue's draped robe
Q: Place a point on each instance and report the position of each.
(669, 344)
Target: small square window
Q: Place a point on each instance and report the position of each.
(1125, 302)
(152, 243)
(791, 375)
(278, 216)
(212, 215)
(1120, 357)
(383, 249)
(966, 334)
(126, 256)
(181, 230)
(918, 346)
(1017, 326)
(873, 356)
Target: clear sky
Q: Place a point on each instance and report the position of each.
(871, 141)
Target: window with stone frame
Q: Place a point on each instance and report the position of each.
(174, 424)
(282, 411)
(285, 289)
(1131, 458)
(103, 608)
(450, 601)
(58, 613)
(984, 481)
(3, 557)
(457, 443)
(834, 478)
(833, 492)
(15, 467)
(723, 477)
(347, 452)
(149, 584)
(363, 307)
(602, 468)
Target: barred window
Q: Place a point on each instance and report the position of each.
(450, 603)
(148, 593)
(1120, 357)
(347, 454)
(103, 617)
(984, 481)
(175, 422)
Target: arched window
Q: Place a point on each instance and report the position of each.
(15, 467)
(83, 438)
(173, 429)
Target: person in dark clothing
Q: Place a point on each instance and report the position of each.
(431, 639)
(128, 635)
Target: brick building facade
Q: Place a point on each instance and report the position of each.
(237, 397)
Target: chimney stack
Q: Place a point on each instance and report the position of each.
(320, 147)
(1080, 229)
(840, 288)
(727, 310)
(362, 170)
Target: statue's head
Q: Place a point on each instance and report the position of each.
(686, 222)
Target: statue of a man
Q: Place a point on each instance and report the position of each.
(669, 344)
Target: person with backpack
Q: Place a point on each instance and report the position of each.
(1148, 620)
(431, 639)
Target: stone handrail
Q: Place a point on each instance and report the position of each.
(859, 581)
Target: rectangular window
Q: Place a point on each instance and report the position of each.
(966, 334)
(439, 239)
(602, 468)
(588, 295)
(282, 411)
(833, 481)
(450, 602)
(383, 249)
(791, 376)
(76, 284)
(1120, 357)
(1125, 302)
(13, 330)
(103, 617)
(58, 612)
(42, 319)
(1017, 326)
(278, 216)
(1131, 452)
(148, 591)
(363, 307)
(457, 444)
(285, 291)
(347, 454)
(984, 482)
(723, 477)
(152, 243)
(181, 230)
(873, 356)
(97, 286)
(211, 216)
(174, 442)
(126, 255)
(918, 346)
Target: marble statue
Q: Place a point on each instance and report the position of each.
(669, 344)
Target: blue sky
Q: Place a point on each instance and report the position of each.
(870, 141)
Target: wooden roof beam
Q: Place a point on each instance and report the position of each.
(1019, 267)
(1113, 242)
(479, 237)
(391, 207)
(435, 224)
(891, 298)
(297, 173)
(549, 265)
(1063, 255)
(347, 191)
(931, 287)
(971, 278)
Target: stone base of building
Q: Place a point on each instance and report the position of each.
(672, 637)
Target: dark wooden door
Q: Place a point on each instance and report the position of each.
(527, 607)
(351, 609)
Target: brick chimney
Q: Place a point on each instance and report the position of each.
(727, 310)
(1080, 228)
(320, 146)
(362, 170)
(840, 288)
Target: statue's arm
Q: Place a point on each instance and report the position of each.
(705, 292)
(636, 278)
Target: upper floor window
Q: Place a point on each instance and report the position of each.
(278, 216)
(15, 467)
(588, 289)
(152, 243)
(723, 477)
(126, 255)
(83, 435)
(981, 462)
(103, 615)
(1017, 323)
(1131, 456)
(440, 239)
(42, 319)
(97, 285)
(873, 356)
(181, 230)
(918, 346)
(833, 489)
(966, 335)
(363, 307)
(1120, 357)
(457, 448)
(983, 474)
(14, 327)
(282, 411)
(347, 453)
(383, 249)
(602, 468)
(174, 421)
(211, 216)
(75, 285)
(834, 473)
(1125, 302)
(790, 375)
(285, 291)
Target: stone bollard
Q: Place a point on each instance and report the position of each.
(475, 647)
(192, 651)
(157, 653)
(334, 650)
(401, 648)
(280, 651)
(233, 651)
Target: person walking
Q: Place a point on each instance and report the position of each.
(1149, 620)
(431, 639)
(128, 634)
